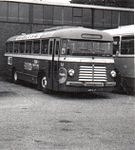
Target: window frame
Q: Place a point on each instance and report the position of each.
(13, 18)
(24, 46)
(127, 39)
(44, 47)
(39, 44)
(36, 19)
(29, 52)
(8, 50)
(14, 48)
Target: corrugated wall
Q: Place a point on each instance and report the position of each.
(17, 18)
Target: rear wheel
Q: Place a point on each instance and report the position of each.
(15, 76)
(44, 82)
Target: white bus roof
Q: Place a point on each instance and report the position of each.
(65, 33)
(70, 4)
(123, 30)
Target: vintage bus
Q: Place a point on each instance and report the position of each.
(68, 59)
(124, 55)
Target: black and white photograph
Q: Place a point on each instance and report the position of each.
(67, 75)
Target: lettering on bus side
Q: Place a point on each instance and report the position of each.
(28, 66)
(31, 66)
(35, 65)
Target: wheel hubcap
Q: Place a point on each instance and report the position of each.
(15, 76)
(44, 82)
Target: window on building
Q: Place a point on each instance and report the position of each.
(124, 18)
(77, 12)
(24, 12)
(36, 47)
(131, 18)
(3, 11)
(77, 16)
(13, 12)
(107, 19)
(57, 16)
(98, 18)
(127, 45)
(44, 47)
(67, 13)
(48, 15)
(115, 19)
(28, 47)
(87, 17)
(38, 13)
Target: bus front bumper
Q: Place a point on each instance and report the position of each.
(90, 84)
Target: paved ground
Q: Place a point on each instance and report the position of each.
(32, 120)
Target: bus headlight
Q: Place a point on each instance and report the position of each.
(62, 75)
(71, 72)
(113, 73)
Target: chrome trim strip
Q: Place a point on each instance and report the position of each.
(88, 84)
(122, 55)
(42, 57)
(26, 74)
(65, 59)
(87, 59)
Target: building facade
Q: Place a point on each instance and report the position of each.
(26, 16)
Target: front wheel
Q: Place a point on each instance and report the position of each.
(42, 83)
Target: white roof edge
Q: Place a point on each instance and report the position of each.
(60, 32)
(122, 30)
(70, 4)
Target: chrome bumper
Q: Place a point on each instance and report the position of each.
(91, 84)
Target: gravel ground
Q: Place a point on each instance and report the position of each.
(32, 120)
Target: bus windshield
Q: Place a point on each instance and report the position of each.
(86, 48)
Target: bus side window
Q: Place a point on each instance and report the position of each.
(44, 47)
(22, 47)
(16, 47)
(28, 47)
(9, 47)
(116, 45)
(51, 47)
(36, 47)
(127, 45)
(57, 47)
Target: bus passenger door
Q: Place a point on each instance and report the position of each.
(50, 64)
(55, 64)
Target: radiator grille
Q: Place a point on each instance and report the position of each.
(92, 73)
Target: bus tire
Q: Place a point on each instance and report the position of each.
(42, 83)
(14, 77)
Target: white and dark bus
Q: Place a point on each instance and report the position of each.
(68, 59)
(123, 51)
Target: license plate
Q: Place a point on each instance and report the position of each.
(101, 84)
